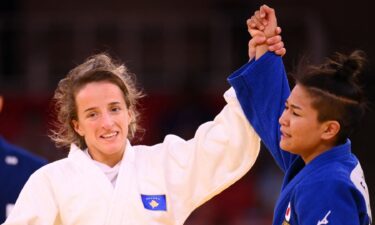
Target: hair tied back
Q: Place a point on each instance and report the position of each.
(349, 67)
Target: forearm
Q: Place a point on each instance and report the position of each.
(262, 88)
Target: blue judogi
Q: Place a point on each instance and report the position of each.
(331, 189)
(16, 165)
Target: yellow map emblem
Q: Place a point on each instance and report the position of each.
(153, 204)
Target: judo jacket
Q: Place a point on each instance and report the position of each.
(331, 189)
(159, 184)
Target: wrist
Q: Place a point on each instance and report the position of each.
(261, 50)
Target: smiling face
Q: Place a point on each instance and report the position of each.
(103, 120)
(302, 133)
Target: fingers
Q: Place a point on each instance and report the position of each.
(262, 26)
(252, 51)
(280, 52)
(258, 20)
(276, 46)
(255, 22)
(260, 17)
(257, 40)
(278, 30)
(274, 40)
(254, 32)
(262, 13)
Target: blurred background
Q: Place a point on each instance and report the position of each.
(182, 53)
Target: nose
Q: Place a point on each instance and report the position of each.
(107, 121)
(283, 120)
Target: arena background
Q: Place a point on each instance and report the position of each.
(182, 52)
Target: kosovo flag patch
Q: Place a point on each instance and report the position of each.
(154, 202)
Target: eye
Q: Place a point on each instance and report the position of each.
(116, 109)
(295, 114)
(91, 115)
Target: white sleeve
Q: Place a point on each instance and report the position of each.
(221, 152)
(35, 204)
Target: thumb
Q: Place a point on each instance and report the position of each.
(268, 13)
(266, 10)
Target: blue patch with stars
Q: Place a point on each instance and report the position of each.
(154, 202)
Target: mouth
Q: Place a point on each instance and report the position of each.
(110, 135)
(284, 134)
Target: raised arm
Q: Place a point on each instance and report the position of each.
(262, 86)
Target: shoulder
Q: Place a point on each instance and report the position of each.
(150, 153)
(61, 173)
(171, 142)
(329, 180)
(330, 184)
(172, 149)
(335, 171)
(57, 168)
(325, 188)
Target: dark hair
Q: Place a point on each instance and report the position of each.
(334, 88)
(97, 68)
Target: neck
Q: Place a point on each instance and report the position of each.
(316, 151)
(109, 160)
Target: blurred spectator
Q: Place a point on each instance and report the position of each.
(16, 165)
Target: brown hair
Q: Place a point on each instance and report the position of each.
(334, 88)
(96, 68)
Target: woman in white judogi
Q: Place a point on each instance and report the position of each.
(106, 180)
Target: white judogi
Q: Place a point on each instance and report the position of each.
(187, 173)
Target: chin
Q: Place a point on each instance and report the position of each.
(112, 149)
(284, 146)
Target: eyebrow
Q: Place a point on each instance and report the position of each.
(293, 106)
(111, 104)
(89, 109)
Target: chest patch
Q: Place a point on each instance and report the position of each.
(287, 215)
(154, 202)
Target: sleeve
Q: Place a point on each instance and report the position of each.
(35, 204)
(219, 154)
(325, 202)
(262, 89)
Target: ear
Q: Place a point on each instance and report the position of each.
(330, 129)
(1, 103)
(77, 128)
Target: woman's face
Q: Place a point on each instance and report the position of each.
(103, 120)
(301, 132)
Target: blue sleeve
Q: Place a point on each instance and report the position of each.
(16, 166)
(329, 203)
(262, 88)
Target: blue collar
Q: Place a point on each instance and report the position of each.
(338, 152)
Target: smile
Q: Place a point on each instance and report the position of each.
(109, 135)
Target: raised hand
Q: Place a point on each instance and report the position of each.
(263, 26)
